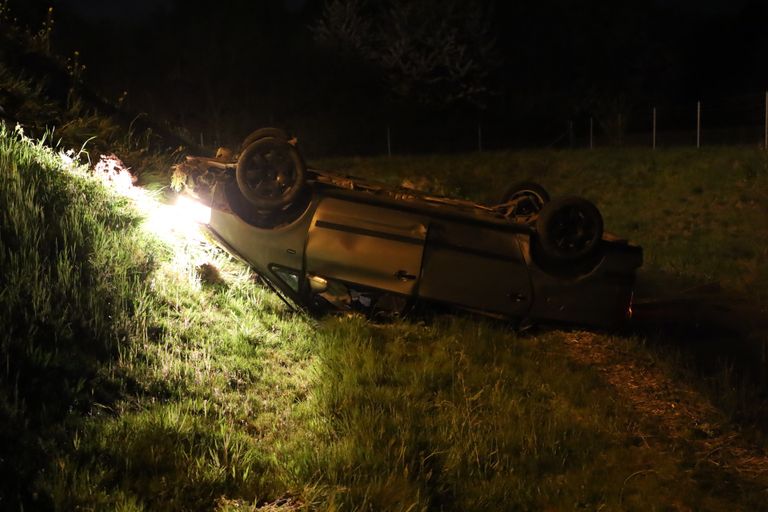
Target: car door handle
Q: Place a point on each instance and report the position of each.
(404, 276)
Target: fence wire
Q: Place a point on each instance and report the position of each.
(734, 120)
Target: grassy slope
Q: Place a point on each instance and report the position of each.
(73, 277)
(177, 394)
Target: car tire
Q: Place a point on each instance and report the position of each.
(270, 173)
(275, 133)
(537, 195)
(568, 229)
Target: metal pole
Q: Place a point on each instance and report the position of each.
(389, 143)
(698, 124)
(654, 127)
(479, 138)
(591, 133)
(765, 146)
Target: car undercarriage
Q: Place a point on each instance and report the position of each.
(327, 241)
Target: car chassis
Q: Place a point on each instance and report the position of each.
(328, 241)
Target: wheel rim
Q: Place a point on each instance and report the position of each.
(572, 231)
(270, 172)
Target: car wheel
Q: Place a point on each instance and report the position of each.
(275, 133)
(568, 229)
(270, 173)
(529, 198)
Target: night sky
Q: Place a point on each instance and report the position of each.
(220, 70)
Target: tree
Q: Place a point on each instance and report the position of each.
(438, 52)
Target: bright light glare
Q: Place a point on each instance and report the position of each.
(181, 219)
(177, 224)
(190, 209)
(174, 223)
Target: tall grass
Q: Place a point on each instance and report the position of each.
(73, 285)
(461, 414)
(133, 380)
(128, 381)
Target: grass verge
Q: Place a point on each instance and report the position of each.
(145, 370)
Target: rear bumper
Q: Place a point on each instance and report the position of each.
(600, 298)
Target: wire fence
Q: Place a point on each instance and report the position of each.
(734, 120)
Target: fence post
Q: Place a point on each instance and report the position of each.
(591, 133)
(389, 143)
(654, 128)
(698, 124)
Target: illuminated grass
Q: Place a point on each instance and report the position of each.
(73, 288)
(135, 379)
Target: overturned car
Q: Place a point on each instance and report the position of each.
(328, 241)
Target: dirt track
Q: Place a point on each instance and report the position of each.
(673, 414)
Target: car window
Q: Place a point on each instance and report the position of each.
(287, 275)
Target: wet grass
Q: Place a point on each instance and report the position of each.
(132, 380)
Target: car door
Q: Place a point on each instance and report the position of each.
(476, 266)
(369, 245)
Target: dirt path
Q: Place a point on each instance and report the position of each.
(672, 411)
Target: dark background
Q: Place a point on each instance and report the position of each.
(217, 70)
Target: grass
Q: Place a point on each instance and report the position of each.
(72, 288)
(461, 415)
(134, 377)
